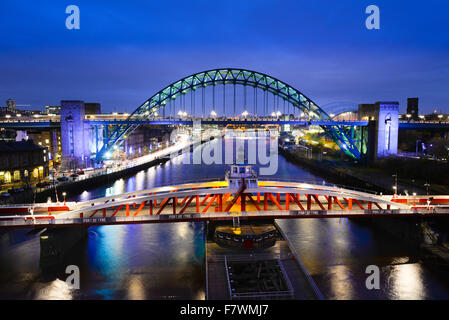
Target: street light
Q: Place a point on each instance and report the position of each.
(395, 187)
(427, 185)
(244, 113)
(213, 114)
(64, 194)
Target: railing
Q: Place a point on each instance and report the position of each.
(304, 270)
(322, 183)
(227, 277)
(47, 219)
(258, 295)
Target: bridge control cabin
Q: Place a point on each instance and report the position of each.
(239, 173)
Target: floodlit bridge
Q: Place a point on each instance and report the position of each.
(220, 97)
(216, 200)
(160, 103)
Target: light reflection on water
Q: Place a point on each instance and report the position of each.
(337, 252)
(166, 261)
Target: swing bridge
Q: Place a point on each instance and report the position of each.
(217, 200)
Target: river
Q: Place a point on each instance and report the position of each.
(166, 261)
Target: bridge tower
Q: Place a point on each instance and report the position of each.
(74, 135)
(382, 129)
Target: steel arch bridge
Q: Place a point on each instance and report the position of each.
(339, 133)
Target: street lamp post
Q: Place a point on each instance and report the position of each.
(395, 183)
(427, 185)
(64, 194)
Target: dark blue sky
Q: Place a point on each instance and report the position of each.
(127, 50)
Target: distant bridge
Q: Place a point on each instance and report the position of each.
(217, 201)
(112, 120)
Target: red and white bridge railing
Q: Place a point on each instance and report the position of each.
(216, 200)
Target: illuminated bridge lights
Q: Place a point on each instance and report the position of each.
(217, 201)
(224, 76)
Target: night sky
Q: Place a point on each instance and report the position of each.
(126, 51)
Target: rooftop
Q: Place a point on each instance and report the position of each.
(28, 145)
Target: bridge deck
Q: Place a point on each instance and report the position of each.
(216, 200)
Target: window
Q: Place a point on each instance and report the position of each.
(7, 177)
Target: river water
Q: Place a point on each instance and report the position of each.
(166, 261)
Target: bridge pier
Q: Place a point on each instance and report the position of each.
(55, 243)
(383, 129)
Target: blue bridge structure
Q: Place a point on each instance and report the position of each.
(377, 127)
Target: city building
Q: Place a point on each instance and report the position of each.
(11, 105)
(50, 139)
(79, 140)
(412, 108)
(11, 110)
(53, 109)
(22, 161)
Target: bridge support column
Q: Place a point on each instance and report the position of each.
(309, 202)
(329, 203)
(55, 243)
(175, 202)
(243, 202)
(384, 137)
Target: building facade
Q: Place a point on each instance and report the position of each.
(79, 140)
(22, 161)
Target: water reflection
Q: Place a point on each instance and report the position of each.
(407, 282)
(337, 253)
(166, 261)
(54, 290)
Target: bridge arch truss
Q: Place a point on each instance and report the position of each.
(339, 133)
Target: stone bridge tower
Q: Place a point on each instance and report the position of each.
(382, 129)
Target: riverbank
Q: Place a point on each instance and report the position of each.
(364, 178)
(97, 180)
(332, 173)
(411, 231)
